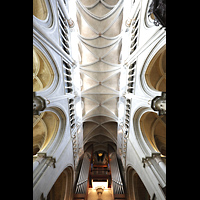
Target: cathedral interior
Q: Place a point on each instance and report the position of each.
(99, 99)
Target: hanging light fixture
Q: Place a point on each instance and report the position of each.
(158, 9)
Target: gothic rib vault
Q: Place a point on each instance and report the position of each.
(100, 47)
(99, 82)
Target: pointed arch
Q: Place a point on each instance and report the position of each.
(40, 9)
(153, 127)
(136, 189)
(45, 127)
(156, 72)
(63, 186)
(43, 74)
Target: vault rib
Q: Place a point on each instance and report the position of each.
(93, 29)
(86, 97)
(111, 133)
(85, 65)
(117, 91)
(100, 35)
(93, 46)
(93, 5)
(100, 1)
(97, 133)
(109, 99)
(107, 5)
(95, 71)
(98, 119)
(101, 63)
(98, 17)
(112, 64)
(91, 130)
(97, 57)
(101, 115)
(94, 79)
(105, 29)
(109, 110)
(84, 91)
(114, 74)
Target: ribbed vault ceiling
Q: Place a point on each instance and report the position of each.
(99, 25)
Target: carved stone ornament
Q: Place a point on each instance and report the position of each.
(39, 104)
(159, 104)
(158, 9)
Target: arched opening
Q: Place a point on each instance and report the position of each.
(45, 127)
(40, 9)
(156, 72)
(153, 128)
(63, 187)
(139, 188)
(136, 190)
(43, 74)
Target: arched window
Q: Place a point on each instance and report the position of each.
(63, 187)
(153, 128)
(156, 72)
(40, 9)
(45, 127)
(136, 190)
(43, 74)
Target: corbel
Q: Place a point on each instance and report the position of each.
(143, 161)
(41, 155)
(146, 159)
(126, 65)
(70, 23)
(128, 22)
(52, 160)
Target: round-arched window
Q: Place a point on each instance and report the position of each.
(135, 187)
(153, 128)
(63, 187)
(40, 9)
(156, 72)
(43, 74)
(45, 127)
